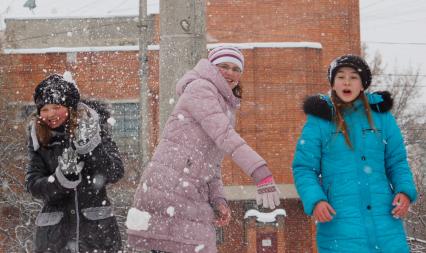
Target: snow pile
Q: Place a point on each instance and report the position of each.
(265, 217)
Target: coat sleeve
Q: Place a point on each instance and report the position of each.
(307, 165)
(396, 164)
(105, 159)
(201, 100)
(40, 182)
(216, 193)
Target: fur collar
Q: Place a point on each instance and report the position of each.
(321, 105)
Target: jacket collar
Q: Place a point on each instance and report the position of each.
(321, 105)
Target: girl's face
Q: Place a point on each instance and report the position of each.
(347, 84)
(54, 115)
(231, 72)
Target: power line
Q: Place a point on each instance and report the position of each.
(396, 43)
(395, 6)
(65, 32)
(372, 4)
(279, 69)
(83, 7)
(394, 74)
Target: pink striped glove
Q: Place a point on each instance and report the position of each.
(267, 193)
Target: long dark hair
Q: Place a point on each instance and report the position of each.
(340, 105)
(238, 91)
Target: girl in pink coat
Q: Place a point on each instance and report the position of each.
(181, 189)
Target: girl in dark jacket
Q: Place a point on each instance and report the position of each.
(71, 160)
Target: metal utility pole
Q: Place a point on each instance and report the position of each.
(182, 44)
(145, 117)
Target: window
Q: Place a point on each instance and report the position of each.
(126, 127)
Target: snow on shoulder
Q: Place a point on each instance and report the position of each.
(265, 217)
(137, 220)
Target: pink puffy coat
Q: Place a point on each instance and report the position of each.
(183, 181)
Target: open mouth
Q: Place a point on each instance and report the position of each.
(347, 92)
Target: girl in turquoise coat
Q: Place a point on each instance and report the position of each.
(350, 165)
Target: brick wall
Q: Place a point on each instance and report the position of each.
(275, 81)
(335, 24)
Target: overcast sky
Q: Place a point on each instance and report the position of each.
(395, 28)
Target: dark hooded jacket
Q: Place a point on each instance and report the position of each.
(75, 209)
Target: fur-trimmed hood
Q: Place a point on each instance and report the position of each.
(321, 106)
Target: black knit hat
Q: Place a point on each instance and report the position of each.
(56, 90)
(353, 61)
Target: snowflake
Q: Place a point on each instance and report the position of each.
(51, 179)
(199, 248)
(171, 211)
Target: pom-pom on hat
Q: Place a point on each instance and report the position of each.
(353, 61)
(56, 90)
(227, 54)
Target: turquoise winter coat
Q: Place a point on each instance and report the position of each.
(359, 183)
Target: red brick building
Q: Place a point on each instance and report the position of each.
(287, 45)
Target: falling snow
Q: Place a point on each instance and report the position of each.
(111, 121)
(199, 248)
(68, 77)
(171, 211)
(144, 187)
(51, 179)
(368, 170)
